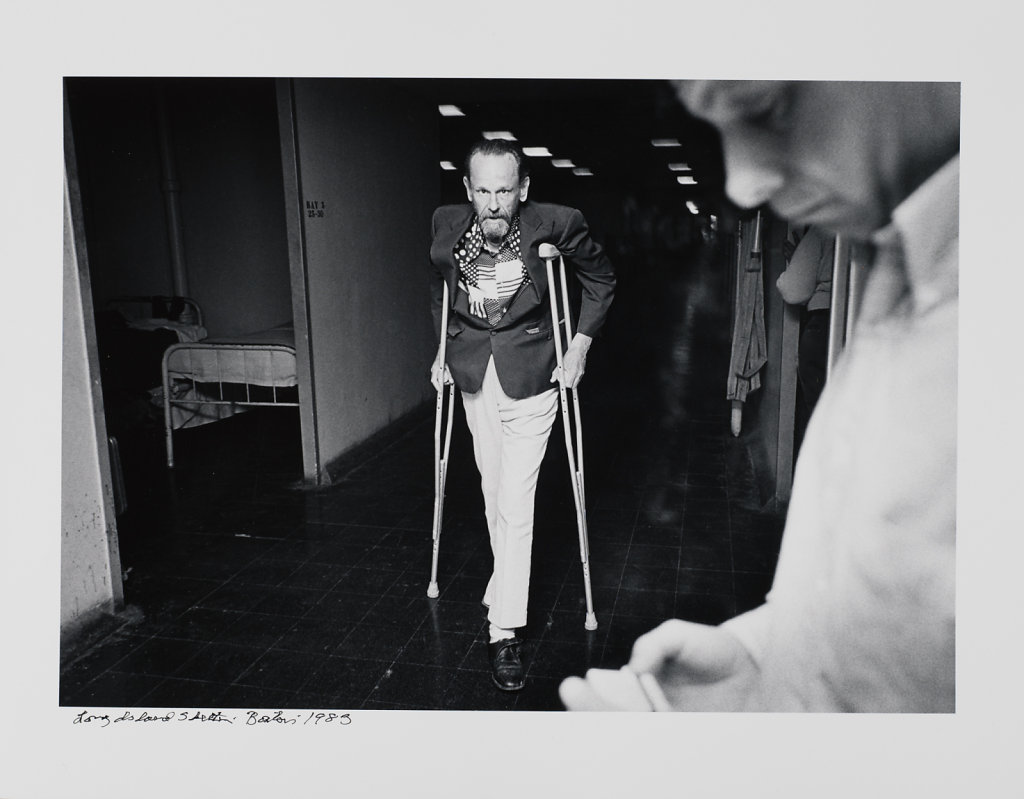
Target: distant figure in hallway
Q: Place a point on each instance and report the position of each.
(807, 282)
(860, 616)
(501, 356)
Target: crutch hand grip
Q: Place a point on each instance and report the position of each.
(547, 251)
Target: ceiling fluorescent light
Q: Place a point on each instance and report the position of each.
(447, 166)
(691, 207)
(447, 110)
(537, 152)
(679, 167)
(687, 180)
(499, 134)
(582, 171)
(666, 143)
(562, 163)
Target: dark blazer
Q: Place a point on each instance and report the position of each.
(521, 343)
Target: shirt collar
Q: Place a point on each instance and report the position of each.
(925, 229)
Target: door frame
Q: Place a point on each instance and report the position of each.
(313, 469)
(78, 295)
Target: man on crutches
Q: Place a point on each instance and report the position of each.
(490, 287)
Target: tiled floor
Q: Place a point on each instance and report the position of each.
(246, 590)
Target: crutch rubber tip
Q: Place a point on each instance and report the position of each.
(432, 591)
(591, 622)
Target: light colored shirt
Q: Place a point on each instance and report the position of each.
(861, 613)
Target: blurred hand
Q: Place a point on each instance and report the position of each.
(696, 666)
(605, 689)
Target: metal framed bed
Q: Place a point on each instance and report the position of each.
(208, 380)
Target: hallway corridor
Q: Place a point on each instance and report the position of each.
(246, 590)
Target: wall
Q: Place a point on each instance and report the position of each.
(226, 149)
(90, 563)
(368, 160)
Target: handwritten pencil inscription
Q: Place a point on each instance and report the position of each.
(248, 718)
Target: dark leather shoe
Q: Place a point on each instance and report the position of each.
(506, 667)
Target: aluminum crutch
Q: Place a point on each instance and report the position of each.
(549, 253)
(445, 400)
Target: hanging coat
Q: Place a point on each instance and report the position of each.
(749, 345)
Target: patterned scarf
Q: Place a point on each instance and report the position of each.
(467, 252)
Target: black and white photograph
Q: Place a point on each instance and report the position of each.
(462, 407)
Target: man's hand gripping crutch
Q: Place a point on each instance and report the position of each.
(569, 370)
(442, 380)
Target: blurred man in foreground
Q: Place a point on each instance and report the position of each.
(861, 613)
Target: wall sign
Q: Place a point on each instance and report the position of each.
(315, 209)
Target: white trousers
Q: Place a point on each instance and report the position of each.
(510, 437)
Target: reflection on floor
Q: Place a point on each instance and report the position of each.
(247, 591)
